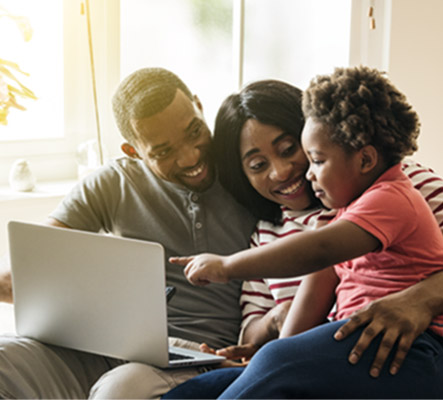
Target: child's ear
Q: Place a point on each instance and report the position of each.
(369, 158)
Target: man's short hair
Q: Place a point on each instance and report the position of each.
(143, 94)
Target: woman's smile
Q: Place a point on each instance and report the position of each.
(292, 188)
(275, 165)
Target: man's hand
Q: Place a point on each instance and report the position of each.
(203, 269)
(236, 356)
(398, 318)
(6, 287)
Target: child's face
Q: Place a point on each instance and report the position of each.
(334, 173)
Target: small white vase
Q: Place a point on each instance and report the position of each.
(21, 177)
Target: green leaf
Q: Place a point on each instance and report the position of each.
(12, 65)
(27, 92)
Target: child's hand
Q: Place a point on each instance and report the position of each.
(203, 269)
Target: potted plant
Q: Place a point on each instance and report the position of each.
(10, 86)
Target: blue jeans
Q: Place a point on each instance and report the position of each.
(314, 365)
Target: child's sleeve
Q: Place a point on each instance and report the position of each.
(385, 213)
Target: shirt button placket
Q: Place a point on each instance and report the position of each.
(200, 241)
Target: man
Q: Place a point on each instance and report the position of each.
(164, 191)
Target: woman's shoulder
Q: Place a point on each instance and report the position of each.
(428, 183)
(292, 222)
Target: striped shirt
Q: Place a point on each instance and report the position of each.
(261, 295)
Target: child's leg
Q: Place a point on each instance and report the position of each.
(314, 365)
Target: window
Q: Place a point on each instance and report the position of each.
(192, 38)
(291, 40)
(206, 42)
(42, 56)
(57, 59)
(294, 40)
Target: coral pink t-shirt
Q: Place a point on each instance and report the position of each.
(412, 244)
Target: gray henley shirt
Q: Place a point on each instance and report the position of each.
(125, 198)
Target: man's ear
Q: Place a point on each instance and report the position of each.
(198, 103)
(369, 158)
(129, 150)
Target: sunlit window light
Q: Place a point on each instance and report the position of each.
(42, 58)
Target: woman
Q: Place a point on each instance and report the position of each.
(258, 133)
(271, 185)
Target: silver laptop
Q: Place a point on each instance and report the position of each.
(94, 292)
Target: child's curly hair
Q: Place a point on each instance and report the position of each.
(362, 107)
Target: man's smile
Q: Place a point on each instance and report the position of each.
(195, 171)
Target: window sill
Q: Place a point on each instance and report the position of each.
(42, 190)
(32, 206)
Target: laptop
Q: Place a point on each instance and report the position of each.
(93, 292)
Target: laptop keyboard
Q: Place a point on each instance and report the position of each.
(175, 356)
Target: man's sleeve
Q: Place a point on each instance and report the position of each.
(92, 203)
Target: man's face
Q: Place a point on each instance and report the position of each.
(175, 144)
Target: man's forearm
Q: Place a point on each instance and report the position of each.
(6, 287)
(428, 293)
(5, 274)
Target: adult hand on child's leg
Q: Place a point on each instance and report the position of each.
(398, 318)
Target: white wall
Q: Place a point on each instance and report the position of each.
(32, 206)
(28, 210)
(416, 67)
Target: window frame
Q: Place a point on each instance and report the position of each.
(55, 158)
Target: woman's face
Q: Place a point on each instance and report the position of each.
(275, 165)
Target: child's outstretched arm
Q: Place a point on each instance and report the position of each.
(294, 255)
(211, 268)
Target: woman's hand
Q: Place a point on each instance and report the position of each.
(236, 356)
(204, 268)
(240, 355)
(398, 317)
